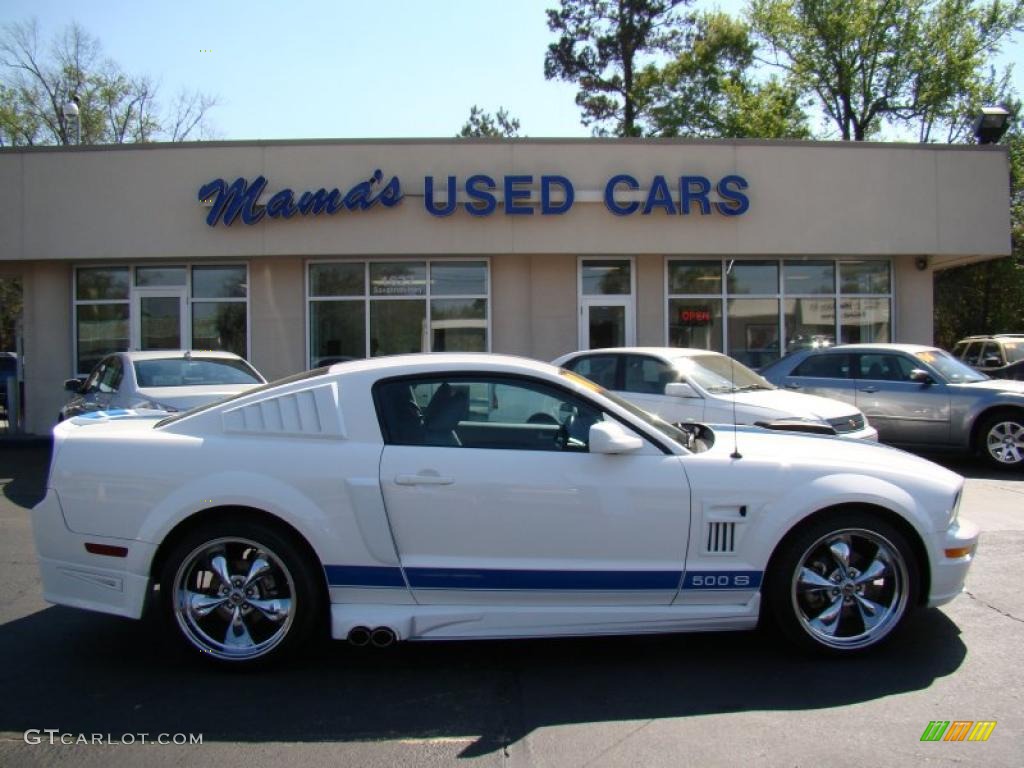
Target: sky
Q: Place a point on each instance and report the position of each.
(312, 69)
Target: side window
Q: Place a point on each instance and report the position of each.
(92, 384)
(600, 369)
(959, 349)
(992, 354)
(110, 379)
(646, 375)
(824, 367)
(878, 367)
(973, 353)
(484, 412)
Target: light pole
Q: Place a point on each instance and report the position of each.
(72, 116)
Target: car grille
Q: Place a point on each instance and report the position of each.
(847, 424)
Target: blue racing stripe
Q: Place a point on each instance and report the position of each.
(490, 579)
(364, 576)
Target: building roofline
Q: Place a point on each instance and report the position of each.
(526, 141)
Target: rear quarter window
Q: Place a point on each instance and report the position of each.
(824, 367)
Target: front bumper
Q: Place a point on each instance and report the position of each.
(74, 577)
(949, 573)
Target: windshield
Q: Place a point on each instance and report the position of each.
(193, 372)
(951, 369)
(1014, 351)
(718, 373)
(666, 429)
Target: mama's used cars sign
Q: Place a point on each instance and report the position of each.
(479, 195)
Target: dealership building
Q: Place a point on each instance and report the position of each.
(298, 253)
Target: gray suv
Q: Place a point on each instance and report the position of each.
(915, 396)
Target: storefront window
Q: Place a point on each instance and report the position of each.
(219, 326)
(864, 277)
(753, 277)
(754, 331)
(865, 321)
(159, 307)
(809, 277)
(695, 323)
(150, 277)
(449, 313)
(604, 277)
(100, 330)
(804, 303)
(695, 277)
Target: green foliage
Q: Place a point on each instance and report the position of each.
(917, 63)
(708, 91)
(602, 47)
(114, 107)
(10, 311)
(483, 124)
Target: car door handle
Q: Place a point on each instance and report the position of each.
(423, 480)
(869, 390)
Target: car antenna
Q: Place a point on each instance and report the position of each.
(732, 376)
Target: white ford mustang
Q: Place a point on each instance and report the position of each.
(473, 496)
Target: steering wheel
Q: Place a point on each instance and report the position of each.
(562, 437)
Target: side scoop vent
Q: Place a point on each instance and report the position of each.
(313, 412)
(721, 538)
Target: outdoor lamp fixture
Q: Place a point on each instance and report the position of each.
(991, 124)
(71, 115)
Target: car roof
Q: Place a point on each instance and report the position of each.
(880, 347)
(438, 360)
(669, 353)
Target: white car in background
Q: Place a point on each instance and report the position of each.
(456, 496)
(696, 385)
(165, 380)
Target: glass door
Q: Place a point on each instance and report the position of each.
(159, 319)
(606, 290)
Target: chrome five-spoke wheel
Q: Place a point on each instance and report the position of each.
(850, 589)
(239, 596)
(843, 583)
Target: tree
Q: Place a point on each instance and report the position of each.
(602, 46)
(872, 62)
(114, 107)
(481, 124)
(708, 90)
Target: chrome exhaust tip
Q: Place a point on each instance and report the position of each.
(382, 637)
(359, 636)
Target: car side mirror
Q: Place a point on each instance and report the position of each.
(680, 389)
(74, 385)
(921, 377)
(610, 437)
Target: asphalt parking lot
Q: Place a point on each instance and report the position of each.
(714, 699)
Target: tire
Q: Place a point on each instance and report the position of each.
(240, 592)
(843, 583)
(1000, 440)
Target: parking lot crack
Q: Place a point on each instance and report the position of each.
(1000, 611)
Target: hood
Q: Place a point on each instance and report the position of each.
(1010, 386)
(827, 454)
(184, 398)
(782, 402)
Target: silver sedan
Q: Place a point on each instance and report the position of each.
(915, 396)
